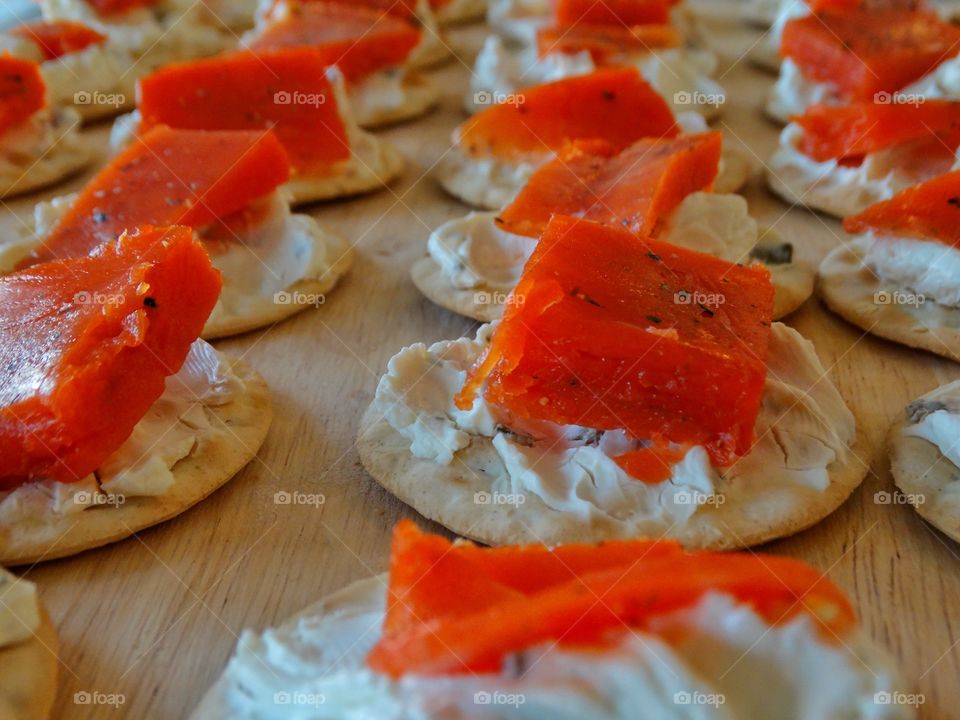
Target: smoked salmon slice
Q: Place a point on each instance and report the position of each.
(286, 91)
(864, 51)
(627, 586)
(615, 13)
(928, 211)
(57, 38)
(166, 177)
(615, 104)
(475, 579)
(405, 9)
(674, 341)
(357, 39)
(636, 189)
(607, 44)
(21, 91)
(111, 7)
(86, 344)
(853, 131)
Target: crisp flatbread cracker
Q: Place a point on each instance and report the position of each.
(360, 178)
(214, 461)
(925, 476)
(457, 177)
(757, 507)
(366, 599)
(421, 95)
(221, 324)
(28, 681)
(793, 284)
(851, 290)
(67, 156)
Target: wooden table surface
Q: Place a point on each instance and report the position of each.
(154, 618)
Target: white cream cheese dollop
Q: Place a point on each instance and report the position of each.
(937, 421)
(681, 76)
(847, 190)
(474, 252)
(142, 466)
(572, 469)
(927, 268)
(716, 660)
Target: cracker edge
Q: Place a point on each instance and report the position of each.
(40, 654)
(196, 477)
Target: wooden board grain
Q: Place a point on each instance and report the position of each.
(155, 618)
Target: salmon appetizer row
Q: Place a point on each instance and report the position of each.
(541, 42)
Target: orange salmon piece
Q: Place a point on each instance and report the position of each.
(457, 635)
(635, 189)
(607, 44)
(166, 177)
(863, 52)
(86, 344)
(21, 91)
(616, 13)
(928, 211)
(113, 7)
(853, 131)
(57, 38)
(430, 578)
(286, 91)
(616, 105)
(674, 341)
(357, 39)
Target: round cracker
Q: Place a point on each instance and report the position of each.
(757, 504)
(922, 472)
(358, 179)
(421, 95)
(66, 157)
(28, 683)
(220, 325)
(446, 495)
(367, 595)
(212, 463)
(850, 289)
(792, 282)
(454, 174)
